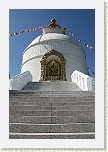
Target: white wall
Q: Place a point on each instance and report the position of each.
(34, 67)
(73, 54)
(74, 63)
(61, 46)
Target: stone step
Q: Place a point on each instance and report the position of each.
(52, 128)
(51, 99)
(87, 135)
(19, 112)
(33, 97)
(73, 113)
(51, 110)
(30, 93)
(50, 103)
(54, 101)
(56, 85)
(51, 119)
(66, 107)
(30, 112)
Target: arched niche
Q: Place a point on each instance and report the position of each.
(53, 66)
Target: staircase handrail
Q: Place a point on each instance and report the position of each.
(85, 82)
(20, 80)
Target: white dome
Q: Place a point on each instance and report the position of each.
(73, 54)
(50, 36)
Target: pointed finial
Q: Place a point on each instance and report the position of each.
(53, 24)
(53, 20)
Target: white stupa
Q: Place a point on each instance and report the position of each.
(53, 55)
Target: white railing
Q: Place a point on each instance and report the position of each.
(20, 80)
(84, 81)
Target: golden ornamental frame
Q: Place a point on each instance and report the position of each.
(62, 64)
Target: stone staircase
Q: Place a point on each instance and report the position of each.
(51, 110)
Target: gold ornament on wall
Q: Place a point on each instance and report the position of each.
(53, 70)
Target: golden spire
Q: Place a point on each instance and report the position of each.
(53, 24)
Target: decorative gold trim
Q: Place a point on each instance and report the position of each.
(62, 64)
